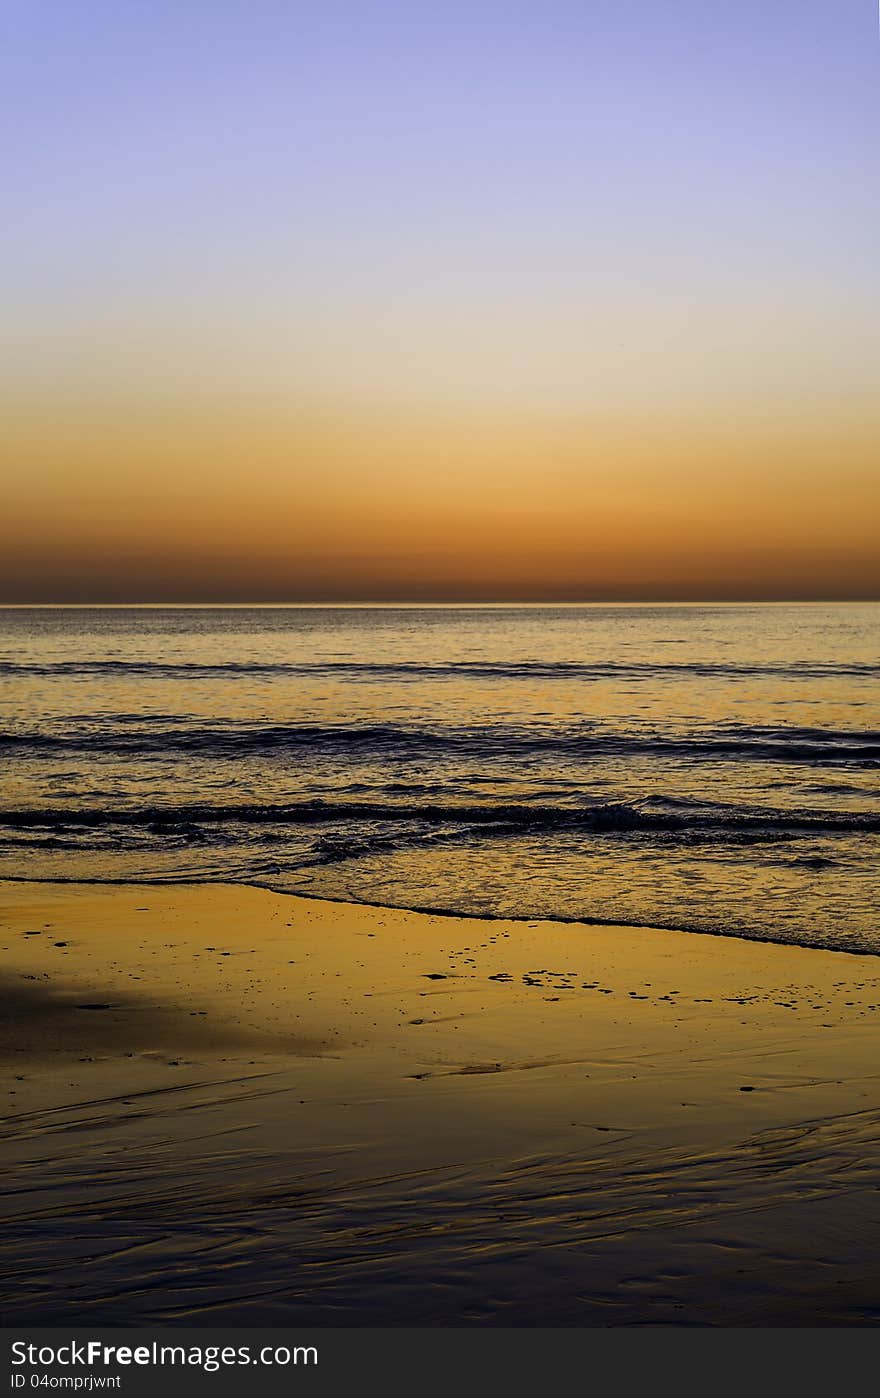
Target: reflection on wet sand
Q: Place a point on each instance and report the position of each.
(296, 1111)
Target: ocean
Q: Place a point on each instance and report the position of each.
(713, 768)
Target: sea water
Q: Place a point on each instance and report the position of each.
(713, 768)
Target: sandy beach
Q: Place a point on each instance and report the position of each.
(225, 1104)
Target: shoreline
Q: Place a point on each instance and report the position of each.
(228, 1104)
(556, 920)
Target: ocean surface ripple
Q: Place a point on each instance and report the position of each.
(527, 762)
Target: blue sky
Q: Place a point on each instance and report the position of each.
(617, 213)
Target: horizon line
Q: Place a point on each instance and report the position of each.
(414, 603)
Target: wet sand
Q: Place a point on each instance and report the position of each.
(226, 1105)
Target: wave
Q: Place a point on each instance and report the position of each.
(141, 736)
(385, 670)
(676, 818)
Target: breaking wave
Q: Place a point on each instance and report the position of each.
(139, 736)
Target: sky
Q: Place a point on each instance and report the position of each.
(383, 300)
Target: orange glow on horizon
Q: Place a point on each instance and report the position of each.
(230, 505)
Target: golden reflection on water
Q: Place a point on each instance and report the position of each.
(675, 713)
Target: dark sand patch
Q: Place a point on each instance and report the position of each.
(41, 1019)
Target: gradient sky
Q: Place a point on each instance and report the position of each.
(365, 299)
